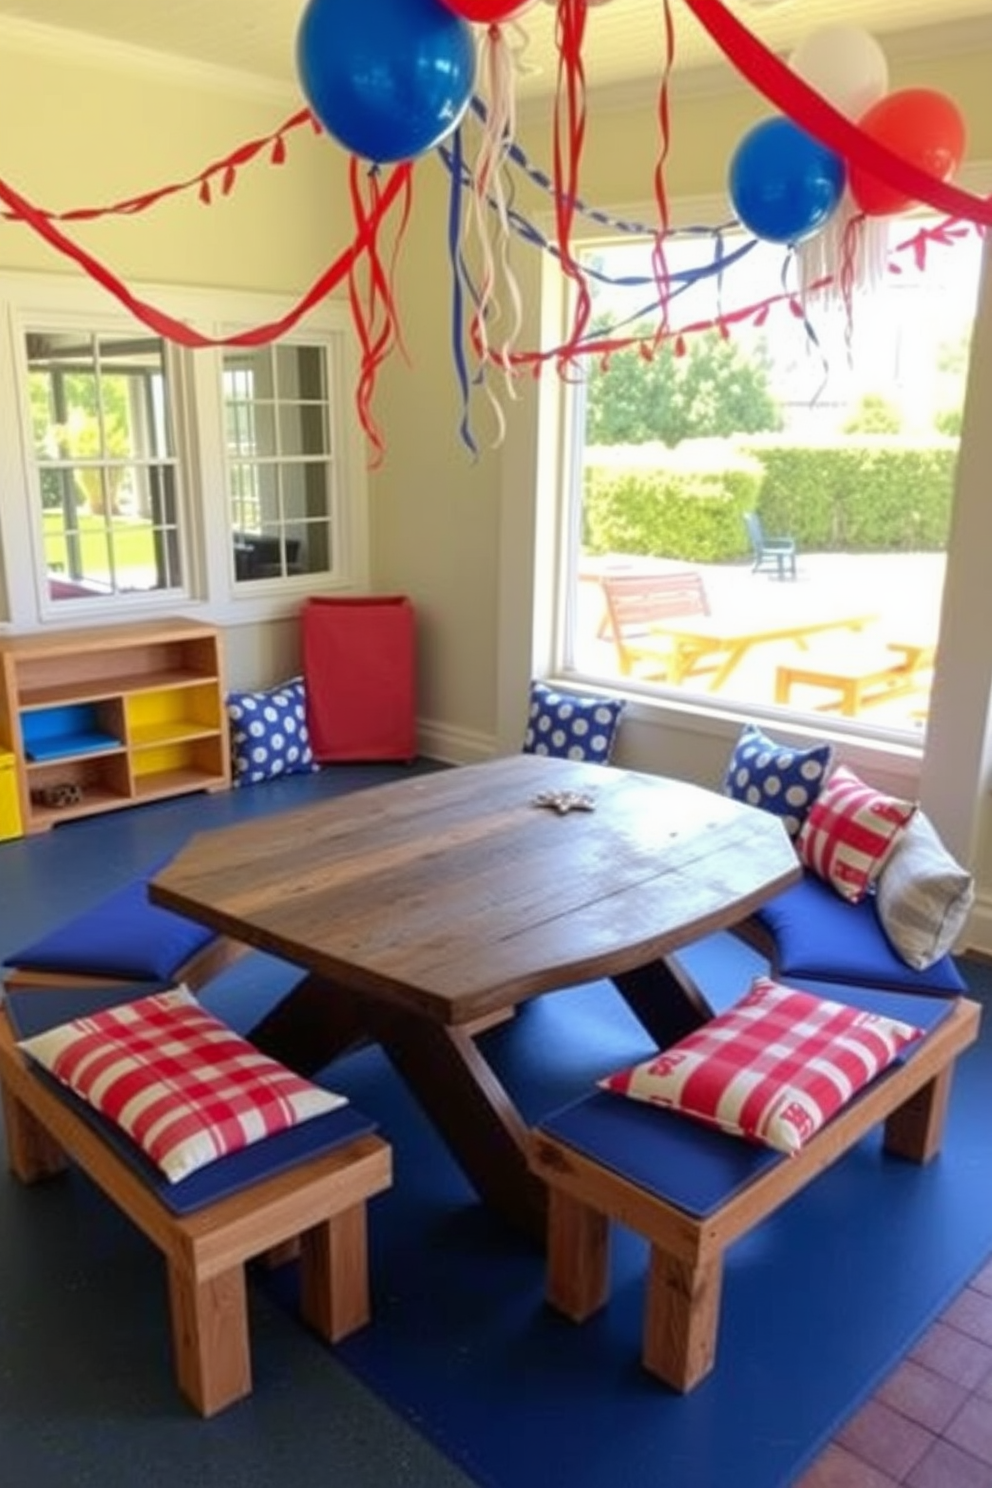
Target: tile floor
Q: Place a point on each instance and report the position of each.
(930, 1423)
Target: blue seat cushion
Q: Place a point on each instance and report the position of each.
(696, 1168)
(820, 935)
(123, 936)
(30, 1013)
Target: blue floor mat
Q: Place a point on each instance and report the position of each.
(819, 1302)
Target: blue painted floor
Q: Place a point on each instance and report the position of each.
(87, 1398)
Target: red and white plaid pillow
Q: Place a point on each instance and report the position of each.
(773, 1068)
(181, 1084)
(850, 831)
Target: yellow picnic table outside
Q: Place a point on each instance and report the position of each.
(857, 681)
(693, 639)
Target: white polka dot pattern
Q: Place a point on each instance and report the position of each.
(568, 726)
(779, 778)
(269, 734)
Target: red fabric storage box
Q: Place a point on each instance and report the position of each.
(360, 675)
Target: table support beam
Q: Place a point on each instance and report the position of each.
(664, 997)
(452, 1081)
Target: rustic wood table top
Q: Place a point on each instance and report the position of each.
(456, 894)
(420, 910)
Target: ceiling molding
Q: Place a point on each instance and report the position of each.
(82, 46)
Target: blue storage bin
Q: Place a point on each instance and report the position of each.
(55, 733)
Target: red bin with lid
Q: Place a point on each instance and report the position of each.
(359, 667)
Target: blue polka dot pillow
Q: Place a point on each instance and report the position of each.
(568, 726)
(269, 735)
(779, 778)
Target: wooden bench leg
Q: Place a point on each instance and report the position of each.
(210, 1337)
(334, 1274)
(31, 1153)
(916, 1129)
(578, 1265)
(681, 1317)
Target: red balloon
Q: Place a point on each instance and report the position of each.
(487, 12)
(924, 127)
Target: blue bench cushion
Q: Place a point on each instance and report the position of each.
(819, 935)
(31, 1013)
(122, 936)
(693, 1167)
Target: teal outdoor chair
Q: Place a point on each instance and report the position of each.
(770, 554)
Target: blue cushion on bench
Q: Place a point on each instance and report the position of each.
(821, 936)
(32, 1012)
(688, 1165)
(124, 936)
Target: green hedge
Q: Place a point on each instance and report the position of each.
(856, 494)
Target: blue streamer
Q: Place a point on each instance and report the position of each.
(457, 299)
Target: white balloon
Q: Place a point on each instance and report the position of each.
(845, 65)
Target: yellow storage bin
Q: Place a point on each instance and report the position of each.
(10, 811)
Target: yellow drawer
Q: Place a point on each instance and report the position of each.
(10, 811)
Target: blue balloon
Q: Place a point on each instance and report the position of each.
(388, 79)
(784, 185)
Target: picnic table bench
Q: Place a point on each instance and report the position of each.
(858, 679)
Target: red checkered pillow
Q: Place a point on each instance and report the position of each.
(773, 1068)
(184, 1087)
(850, 831)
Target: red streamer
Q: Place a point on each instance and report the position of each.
(374, 313)
(659, 262)
(175, 330)
(132, 205)
(570, 121)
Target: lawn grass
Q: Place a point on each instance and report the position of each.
(132, 537)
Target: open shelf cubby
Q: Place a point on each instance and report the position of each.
(102, 718)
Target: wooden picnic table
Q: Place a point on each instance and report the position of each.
(420, 907)
(693, 640)
(857, 681)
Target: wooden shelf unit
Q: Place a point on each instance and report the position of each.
(126, 714)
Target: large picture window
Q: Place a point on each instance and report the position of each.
(758, 513)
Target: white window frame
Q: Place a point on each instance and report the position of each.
(34, 301)
(557, 534)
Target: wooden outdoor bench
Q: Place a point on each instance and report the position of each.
(319, 1201)
(857, 680)
(690, 1191)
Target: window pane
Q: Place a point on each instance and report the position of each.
(838, 431)
(302, 429)
(252, 372)
(103, 442)
(301, 373)
(279, 469)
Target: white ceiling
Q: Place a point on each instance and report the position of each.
(624, 38)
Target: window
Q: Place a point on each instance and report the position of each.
(137, 475)
(277, 419)
(105, 464)
(839, 431)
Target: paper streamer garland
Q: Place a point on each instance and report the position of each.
(897, 176)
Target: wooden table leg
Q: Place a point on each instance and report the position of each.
(460, 1092)
(664, 997)
(733, 659)
(314, 1023)
(445, 1070)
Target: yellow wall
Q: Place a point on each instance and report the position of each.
(84, 135)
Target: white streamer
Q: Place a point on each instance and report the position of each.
(499, 292)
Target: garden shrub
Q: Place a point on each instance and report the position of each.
(865, 493)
